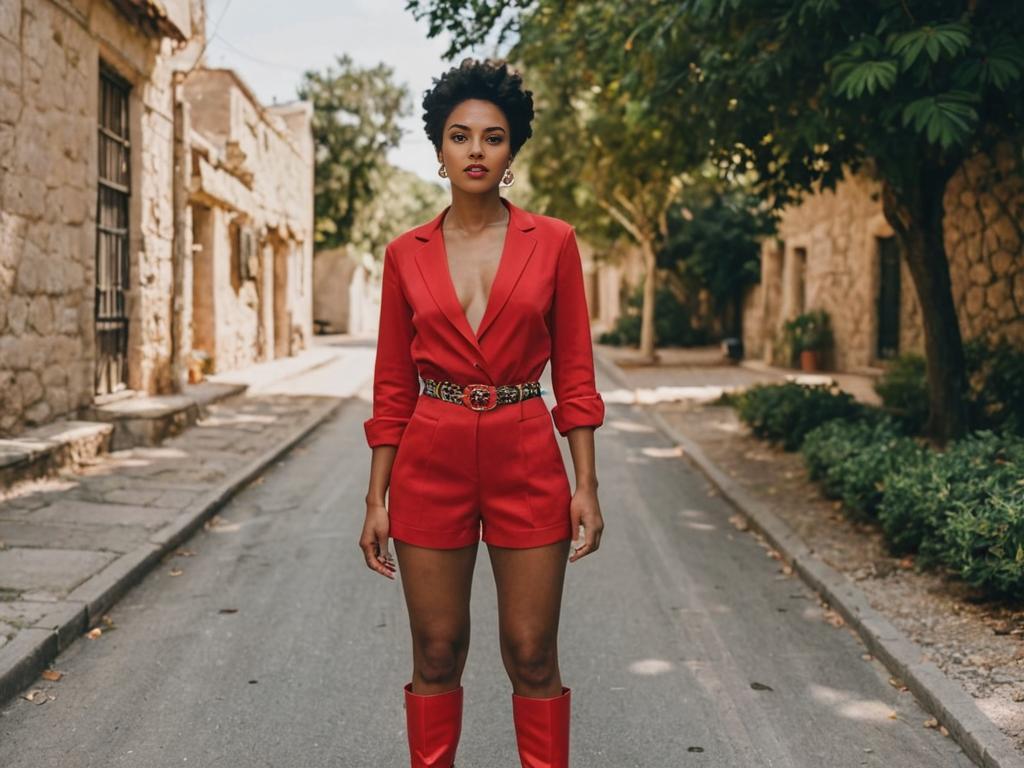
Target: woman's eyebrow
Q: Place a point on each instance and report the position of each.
(462, 127)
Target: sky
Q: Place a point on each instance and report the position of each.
(271, 43)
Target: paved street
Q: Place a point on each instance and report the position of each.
(683, 642)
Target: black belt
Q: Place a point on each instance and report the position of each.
(480, 397)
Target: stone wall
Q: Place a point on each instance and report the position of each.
(50, 57)
(253, 168)
(984, 219)
(839, 232)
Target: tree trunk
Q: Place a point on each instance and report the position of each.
(647, 312)
(917, 218)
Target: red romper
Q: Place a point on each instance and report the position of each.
(457, 470)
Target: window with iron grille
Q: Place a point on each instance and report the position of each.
(113, 192)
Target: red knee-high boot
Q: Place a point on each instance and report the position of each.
(434, 722)
(542, 730)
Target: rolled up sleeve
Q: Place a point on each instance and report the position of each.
(578, 403)
(395, 379)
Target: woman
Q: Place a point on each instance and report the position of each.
(476, 449)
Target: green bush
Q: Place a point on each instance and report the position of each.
(996, 386)
(995, 393)
(785, 413)
(854, 459)
(673, 322)
(984, 541)
(904, 391)
(919, 500)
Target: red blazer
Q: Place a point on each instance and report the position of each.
(536, 311)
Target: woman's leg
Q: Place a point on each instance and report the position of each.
(529, 584)
(437, 585)
(529, 602)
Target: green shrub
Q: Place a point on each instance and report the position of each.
(919, 500)
(995, 392)
(853, 459)
(904, 391)
(984, 541)
(996, 386)
(785, 413)
(673, 321)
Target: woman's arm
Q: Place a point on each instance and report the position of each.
(374, 538)
(585, 509)
(395, 389)
(579, 408)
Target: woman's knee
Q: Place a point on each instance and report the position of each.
(440, 658)
(533, 661)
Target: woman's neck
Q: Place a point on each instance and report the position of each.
(474, 213)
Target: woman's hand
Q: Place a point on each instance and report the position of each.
(374, 540)
(586, 511)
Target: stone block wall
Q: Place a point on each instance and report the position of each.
(839, 230)
(984, 235)
(50, 56)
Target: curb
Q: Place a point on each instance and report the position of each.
(953, 707)
(33, 648)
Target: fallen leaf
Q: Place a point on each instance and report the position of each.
(52, 675)
(228, 610)
(32, 695)
(93, 633)
(834, 618)
(931, 723)
(184, 553)
(760, 686)
(176, 572)
(893, 716)
(787, 570)
(739, 522)
(943, 731)
(906, 562)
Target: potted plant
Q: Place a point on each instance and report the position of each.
(809, 336)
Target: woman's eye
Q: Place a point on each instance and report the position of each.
(494, 139)
(457, 137)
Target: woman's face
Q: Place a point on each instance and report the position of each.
(475, 146)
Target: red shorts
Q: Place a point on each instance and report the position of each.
(457, 471)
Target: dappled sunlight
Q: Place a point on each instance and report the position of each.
(700, 526)
(693, 513)
(850, 706)
(705, 393)
(651, 667)
(672, 452)
(237, 418)
(622, 425)
(619, 396)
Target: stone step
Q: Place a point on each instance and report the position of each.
(149, 420)
(47, 449)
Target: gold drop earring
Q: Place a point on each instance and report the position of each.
(509, 178)
(442, 172)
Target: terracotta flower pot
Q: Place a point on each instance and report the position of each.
(809, 361)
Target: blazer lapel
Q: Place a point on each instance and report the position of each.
(516, 253)
(432, 262)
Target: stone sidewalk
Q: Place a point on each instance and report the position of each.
(70, 546)
(678, 394)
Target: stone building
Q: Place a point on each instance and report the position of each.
(835, 251)
(96, 185)
(251, 198)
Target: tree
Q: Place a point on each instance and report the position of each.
(714, 238)
(794, 92)
(599, 153)
(355, 122)
(907, 89)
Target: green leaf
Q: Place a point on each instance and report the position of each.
(852, 80)
(944, 119)
(949, 39)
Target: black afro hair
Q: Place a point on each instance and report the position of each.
(487, 80)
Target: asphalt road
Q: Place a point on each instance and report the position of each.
(683, 642)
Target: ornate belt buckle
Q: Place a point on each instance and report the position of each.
(480, 397)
